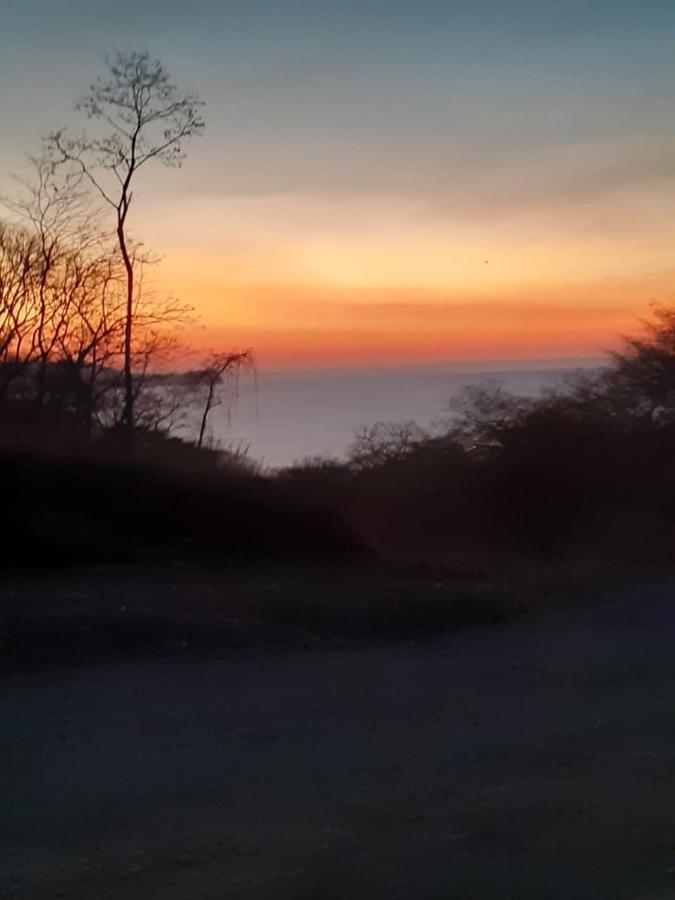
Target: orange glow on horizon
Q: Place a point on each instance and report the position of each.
(359, 279)
(303, 326)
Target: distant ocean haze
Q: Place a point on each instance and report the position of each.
(283, 417)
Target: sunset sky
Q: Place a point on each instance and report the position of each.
(387, 182)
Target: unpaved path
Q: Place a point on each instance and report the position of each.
(530, 761)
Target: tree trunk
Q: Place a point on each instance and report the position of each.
(41, 387)
(89, 402)
(128, 336)
(207, 409)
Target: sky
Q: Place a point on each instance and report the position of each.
(388, 182)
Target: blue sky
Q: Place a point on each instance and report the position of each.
(376, 95)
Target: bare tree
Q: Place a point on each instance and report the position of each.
(62, 326)
(18, 262)
(53, 208)
(143, 117)
(92, 341)
(215, 372)
(482, 416)
(385, 442)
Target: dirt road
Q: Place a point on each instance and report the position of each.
(526, 761)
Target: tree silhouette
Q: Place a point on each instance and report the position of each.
(142, 117)
(217, 367)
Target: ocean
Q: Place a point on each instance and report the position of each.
(282, 417)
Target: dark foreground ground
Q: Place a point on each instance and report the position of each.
(531, 760)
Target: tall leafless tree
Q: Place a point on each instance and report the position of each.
(142, 116)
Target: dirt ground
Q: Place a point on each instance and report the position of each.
(531, 760)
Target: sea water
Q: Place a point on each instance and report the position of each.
(283, 417)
